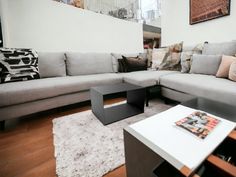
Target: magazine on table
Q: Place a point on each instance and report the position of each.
(198, 123)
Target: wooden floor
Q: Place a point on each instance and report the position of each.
(27, 150)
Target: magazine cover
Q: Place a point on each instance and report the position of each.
(199, 124)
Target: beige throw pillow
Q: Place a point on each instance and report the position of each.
(157, 57)
(232, 71)
(224, 67)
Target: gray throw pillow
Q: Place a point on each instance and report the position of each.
(52, 64)
(225, 48)
(205, 64)
(88, 63)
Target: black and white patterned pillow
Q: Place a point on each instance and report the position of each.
(18, 65)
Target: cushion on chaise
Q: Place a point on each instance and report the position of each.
(145, 78)
(21, 92)
(206, 86)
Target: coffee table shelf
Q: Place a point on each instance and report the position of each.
(123, 110)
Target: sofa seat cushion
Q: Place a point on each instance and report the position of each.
(206, 86)
(22, 92)
(145, 78)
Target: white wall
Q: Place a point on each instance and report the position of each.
(46, 25)
(176, 28)
(107, 5)
(156, 22)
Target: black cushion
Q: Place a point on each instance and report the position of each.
(135, 63)
(122, 66)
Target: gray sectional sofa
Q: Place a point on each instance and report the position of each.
(67, 80)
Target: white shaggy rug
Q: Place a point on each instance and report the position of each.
(84, 147)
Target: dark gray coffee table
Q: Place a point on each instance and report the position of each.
(134, 105)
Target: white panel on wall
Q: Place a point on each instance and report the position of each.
(3, 16)
(176, 28)
(47, 25)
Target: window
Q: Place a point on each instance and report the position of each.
(151, 9)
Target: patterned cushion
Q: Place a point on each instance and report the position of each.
(157, 57)
(18, 65)
(148, 56)
(171, 60)
(186, 57)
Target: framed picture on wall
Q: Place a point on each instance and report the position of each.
(204, 10)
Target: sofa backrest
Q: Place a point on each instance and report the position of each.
(88, 63)
(51, 64)
(224, 48)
